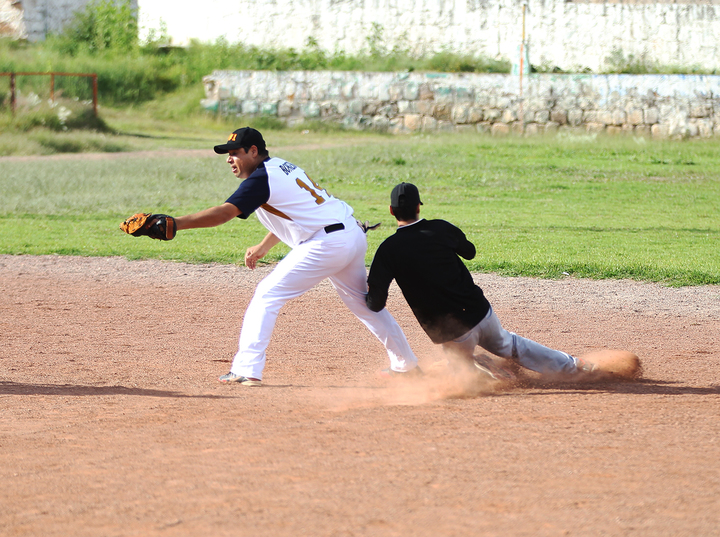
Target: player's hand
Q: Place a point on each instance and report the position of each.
(259, 250)
(253, 254)
(156, 226)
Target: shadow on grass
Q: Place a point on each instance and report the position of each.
(157, 137)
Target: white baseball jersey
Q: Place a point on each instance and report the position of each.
(287, 202)
(296, 209)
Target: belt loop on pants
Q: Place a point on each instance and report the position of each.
(334, 227)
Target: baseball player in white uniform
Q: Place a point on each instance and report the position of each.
(326, 242)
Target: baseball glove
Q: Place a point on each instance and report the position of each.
(365, 226)
(156, 226)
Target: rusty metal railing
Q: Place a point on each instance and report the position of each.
(52, 75)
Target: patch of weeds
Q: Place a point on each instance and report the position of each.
(59, 116)
(318, 126)
(87, 120)
(60, 145)
(266, 123)
(617, 62)
(73, 142)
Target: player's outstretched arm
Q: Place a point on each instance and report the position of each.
(257, 252)
(464, 248)
(214, 216)
(379, 279)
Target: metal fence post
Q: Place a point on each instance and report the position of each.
(12, 93)
(95, 94)
(13, 86)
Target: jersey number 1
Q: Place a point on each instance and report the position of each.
(318, 198)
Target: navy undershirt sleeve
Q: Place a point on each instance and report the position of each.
(252, 192)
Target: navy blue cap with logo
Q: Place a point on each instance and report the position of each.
(242, 138)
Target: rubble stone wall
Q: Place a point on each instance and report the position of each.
(652, 105)
(35, 19)
(11, 19)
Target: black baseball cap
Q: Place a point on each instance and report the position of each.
(405, 195)
(245, 137)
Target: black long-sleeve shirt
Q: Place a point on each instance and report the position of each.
(423, 259)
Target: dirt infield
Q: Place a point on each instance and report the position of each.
(113, 423)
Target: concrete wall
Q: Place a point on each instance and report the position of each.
(652, 105)
(568, 34)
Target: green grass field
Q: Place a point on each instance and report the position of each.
(588, 207)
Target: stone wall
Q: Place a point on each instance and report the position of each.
(35, 19)
(11, 18)
(653, 105)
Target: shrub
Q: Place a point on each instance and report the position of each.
(617, 62)
(62, 115)
(103, 25)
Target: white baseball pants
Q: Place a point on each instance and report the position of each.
(491, 336)
(339, 256)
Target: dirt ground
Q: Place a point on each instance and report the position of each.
(113, 422)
